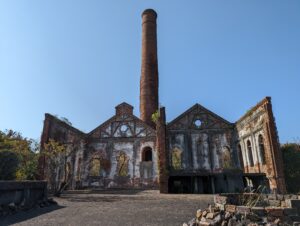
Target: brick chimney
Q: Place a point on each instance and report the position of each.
(149, 71)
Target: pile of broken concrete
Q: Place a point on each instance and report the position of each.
(224, 213)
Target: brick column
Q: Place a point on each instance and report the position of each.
(274, 156)
(162, 152)
(149, 70)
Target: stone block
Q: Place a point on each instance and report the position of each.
(199, 214)
(294, 196)
(220, 199)
(272, 197)
(210, 216)
(243, 209)
(280, 197)
(204, 223)
(283, 203)
(230, 208)
(275, 203)
(220, 206)
(260, 211)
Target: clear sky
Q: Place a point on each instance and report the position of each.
(79, 59)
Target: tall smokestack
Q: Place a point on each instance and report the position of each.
(149, 72)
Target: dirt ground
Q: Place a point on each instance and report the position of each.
(114, 208)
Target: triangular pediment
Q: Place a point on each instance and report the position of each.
(198, 117)
(121, 126)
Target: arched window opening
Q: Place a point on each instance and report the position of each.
(261, 149)
(176, 158)
(240, 156)
(250, 156)
(95, 167)
(147, 154)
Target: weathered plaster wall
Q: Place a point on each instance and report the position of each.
(208, 147)
(117, 145)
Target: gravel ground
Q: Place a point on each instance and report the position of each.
(114, 208)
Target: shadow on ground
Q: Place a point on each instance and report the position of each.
(25, 215)
(107, 191)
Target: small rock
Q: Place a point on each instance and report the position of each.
(224, 223)
(199, 213)
(218, 219)
(230, 208)
(192, 222)
(227, 215)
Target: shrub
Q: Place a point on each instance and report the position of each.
(8, 165)
(291, 158)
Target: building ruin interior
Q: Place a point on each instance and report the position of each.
(197, 152)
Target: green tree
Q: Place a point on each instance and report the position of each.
(291, 157)
(26, 150)
(8, 165)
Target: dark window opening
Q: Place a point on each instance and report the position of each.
(261, 149)
(147, 154)
(250, 157)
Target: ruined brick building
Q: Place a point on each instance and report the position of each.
(197, 152)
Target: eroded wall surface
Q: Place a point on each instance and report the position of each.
(199, 140)
(259, 144)
(111, 156)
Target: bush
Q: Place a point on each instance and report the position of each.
(8, 165)
(291, 158)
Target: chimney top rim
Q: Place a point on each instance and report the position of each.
(149, 12)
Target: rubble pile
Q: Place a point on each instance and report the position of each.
(226, 211)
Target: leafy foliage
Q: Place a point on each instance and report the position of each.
(26, 152)
(56, 155)
(291, 156)
(8, 165)
(155, 117)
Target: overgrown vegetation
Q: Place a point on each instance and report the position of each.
(56, 155)
(18, 156)
(155, 117)
(291, 158)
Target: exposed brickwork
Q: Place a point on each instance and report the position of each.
(124, 109)
(260, 120)
(161, 148)
(149, 70)
(274, 150)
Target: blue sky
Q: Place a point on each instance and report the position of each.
(79, 59)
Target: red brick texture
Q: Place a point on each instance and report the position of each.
(161, 148)
(149, 70)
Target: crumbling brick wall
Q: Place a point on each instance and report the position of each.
(257, 123)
